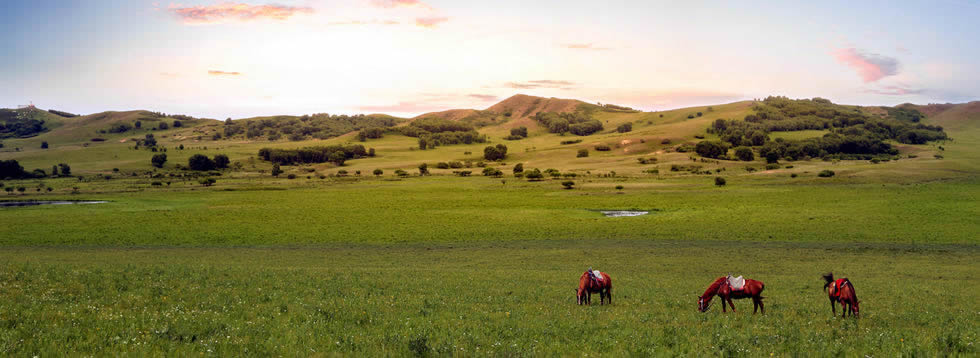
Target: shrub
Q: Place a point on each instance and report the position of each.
(492, 172)
(158, 160)
(276, 170)
(464, 173)
(826, 173)
(207, 181)
(875, 160)
(519, 132)
(625, 127)
(156, 183)
(378, 172)
(665, 141)
(582, 153)
(291, 176)
(744, 154)
(221, 161)
(711, 149)
(602, 148)
(772, 166)
(534, 175)
(518, 168)
(719, 181)
(619, 187)
(455, 165)
(794, 175)
(442, 165)
(568, 184)
(44, 145)
(423, 169)
(401, 173)
(573, 141)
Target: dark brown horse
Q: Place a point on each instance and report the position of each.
(842, 291)
(588, 284)
(751, 289)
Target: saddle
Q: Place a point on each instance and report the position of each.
(836, 286)
(596, 276)
(736, 283)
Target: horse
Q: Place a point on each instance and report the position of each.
(721, 287)
(588, 284)
(842, 291)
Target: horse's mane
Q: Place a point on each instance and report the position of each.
(714, 286)
(829, 277)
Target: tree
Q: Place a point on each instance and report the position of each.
(378, 172)
(276, 170)
(200, 162)
(568, 184)
(518, 168)
(719, 181)
(65, 169)
(744, 154)
(711, 149)
(163, 125)
(625, 127)
(370, 152)
(826, 173)
(158, 160)
(54, 170)
(519, 132)
(221, 161)
(582, 153)
(181, 147)
(44, 145)
(423, 169)
(177, 124)
(207, 181)
(149, 140)
(338, 158)
(498, 152)
(534, 175)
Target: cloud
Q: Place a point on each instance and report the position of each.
(403, 107)
(484, 97)
(223, 12)
(897, 90)
(870, 66)
(223, 73)
(583, 46)
(390, 4)
(363, 22)
(430, 22)
(540, 84)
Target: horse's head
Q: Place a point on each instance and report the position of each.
(704, 303)
(856, 308)
(580, 296)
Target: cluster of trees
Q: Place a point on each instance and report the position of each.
(11, 169)
(578, 123)
(20, 124)
(370, 133)
(319, 126)
(158, 160)
(201, 162)
(625, 127)
(497, 152)
(480, 119)
(337, 154)
(62, 113)
(433, 132)
(853, 133)
(517, 133)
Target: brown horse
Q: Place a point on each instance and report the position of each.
(842, 291)
(588, 284)
(752, 289)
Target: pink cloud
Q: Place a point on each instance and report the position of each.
(403, 107)
(389, 4)
(223, 73)
(541, 84)
(363, 22)
(871, 67)
(430, 22)
(484, 97)
(235, 11)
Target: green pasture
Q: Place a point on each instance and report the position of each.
(488, 298)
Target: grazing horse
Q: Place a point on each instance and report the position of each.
(721, 287)
(588, 284)
(842, 291)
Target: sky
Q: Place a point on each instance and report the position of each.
(221, 59)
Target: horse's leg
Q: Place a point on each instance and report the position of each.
(833, 307)
(843, 307)
(755, 305)
(762, 306)
(730, 303)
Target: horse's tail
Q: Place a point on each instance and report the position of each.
(829, 277)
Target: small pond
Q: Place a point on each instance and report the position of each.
(11, 204)
(622, 213)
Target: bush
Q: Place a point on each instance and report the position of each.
(492, 172)
(442, 165)
(276, 170)
(794, 175)
(826, 173)
(207, 181)
(602, 148)
(582, 153)
(158, 160)
(744, 154)
(520, 132)
(291, 176)
(44, 145)
(423, 169)
(221, 161)
(711, 149)
(518, 168)
(156, 183)
(378, 172)
(625, 127)
(772, 166)
(719, 181)
(200, 162)
(665, 141)
(573, 141)
(401, 173)
(619, 187)
(534, 175)
(568, 184)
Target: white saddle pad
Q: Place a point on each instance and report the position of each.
(737, 283)
(597, 274)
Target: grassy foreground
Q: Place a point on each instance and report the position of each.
(513, 298)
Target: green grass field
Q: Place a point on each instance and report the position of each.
(447, 265)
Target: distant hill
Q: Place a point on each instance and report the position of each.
(516, 107)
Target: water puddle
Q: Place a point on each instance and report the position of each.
(13, 204)
(622, 213)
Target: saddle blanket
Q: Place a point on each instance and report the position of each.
(737, 283)
(597, 275)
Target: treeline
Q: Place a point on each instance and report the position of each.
(853, 134)
(62, 113)
(319, 126)
(336, 154)
(11, 169)
(578, 123)
(433, 132)
(20, 124)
